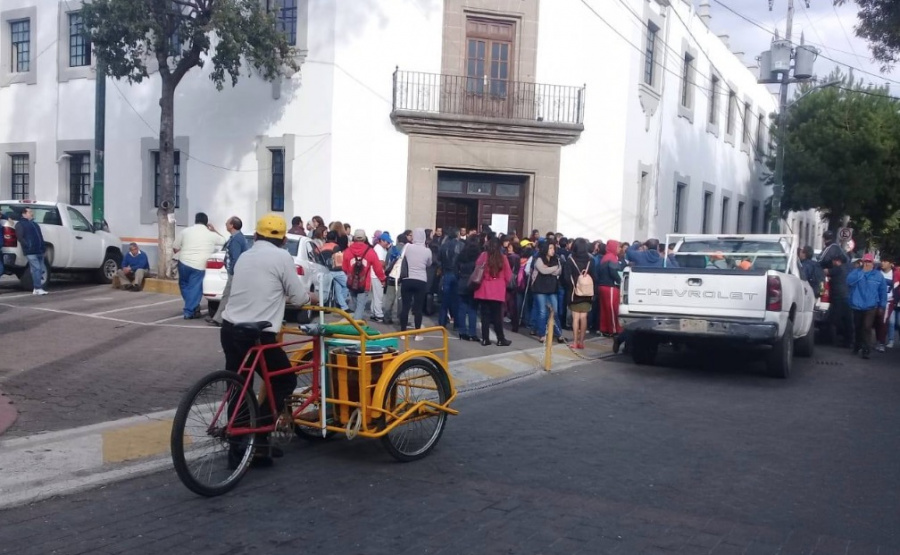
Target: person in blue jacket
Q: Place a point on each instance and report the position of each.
(650, 257)
(32, 240)
(135, 267)
(867, 295)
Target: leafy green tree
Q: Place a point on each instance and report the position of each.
(841, 153)
(179, 35)
(879, 23)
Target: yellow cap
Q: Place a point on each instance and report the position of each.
(272, 226)
(524, 243)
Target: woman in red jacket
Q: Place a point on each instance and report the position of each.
(492, 291)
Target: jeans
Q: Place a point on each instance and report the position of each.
(541, 301)
(190, 281)
(468, 316)
(36, 265)
(562, 305)
(893, 324)
(339, 283)
(449, 300)
(359, 311)
(412, 293)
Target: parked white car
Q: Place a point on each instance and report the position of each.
(310, 270)
(710, 299)
(72, 242)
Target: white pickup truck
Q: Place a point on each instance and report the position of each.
(740, 291)
(71, 242)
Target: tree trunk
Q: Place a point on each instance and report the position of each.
(166, 211)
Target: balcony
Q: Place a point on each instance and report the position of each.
(454, 105)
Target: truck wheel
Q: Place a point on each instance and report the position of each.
(27, 283)
(643, 349)
(781, 358)
(111, 264)
(806, 345)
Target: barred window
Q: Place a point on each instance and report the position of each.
(157, 179)
(79, 47)
(650, 53)
(80, 179)
(20, 34)
(285, 12)
(277, 179)
(20, 176)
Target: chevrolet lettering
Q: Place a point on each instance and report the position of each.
(693, 293)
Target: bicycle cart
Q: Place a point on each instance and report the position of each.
(351, 381)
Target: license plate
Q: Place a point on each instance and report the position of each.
(694, 326)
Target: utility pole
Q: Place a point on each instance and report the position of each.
(97, 194)
(778, 189)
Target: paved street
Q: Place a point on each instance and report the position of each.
(701, 456)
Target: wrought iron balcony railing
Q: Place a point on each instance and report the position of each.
(485, 97)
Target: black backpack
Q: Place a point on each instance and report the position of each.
(356, 281)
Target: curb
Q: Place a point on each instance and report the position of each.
(8, 413)
(41, 466)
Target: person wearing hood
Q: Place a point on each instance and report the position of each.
(417, 259)
(645, 258)
(608, 281)
(358, 260)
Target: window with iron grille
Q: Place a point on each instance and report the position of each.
(157, 179)
(687, 72)
(79, 47)
(649, 53)
(80, 179)
(747, 122)
(20, 37)
(714, 100)
(20, 176)
(707, 208)
(679, 203)
(285, 12)
(277, 179)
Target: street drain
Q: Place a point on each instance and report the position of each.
(830, 362)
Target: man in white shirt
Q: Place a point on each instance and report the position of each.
(194, 246)
(382, 244)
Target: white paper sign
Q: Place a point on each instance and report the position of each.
(500, 223)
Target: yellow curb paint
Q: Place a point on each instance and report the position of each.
(602, 348)
(136, 442)
(165, 286)
(525, 358)
(564, 352)
(490, 369)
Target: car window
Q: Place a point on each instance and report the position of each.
(48, 215)
(292, 246)
(79, 222)
(761, 255)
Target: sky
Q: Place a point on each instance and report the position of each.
(828, 27)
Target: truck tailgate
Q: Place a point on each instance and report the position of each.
(700, 293)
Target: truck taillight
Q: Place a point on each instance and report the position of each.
(215, 264)
(299, 270)
(825, 293)
(773, 294)
(9, 237)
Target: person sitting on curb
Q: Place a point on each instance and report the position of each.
(135, 268)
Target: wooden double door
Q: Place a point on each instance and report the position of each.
(472, 200)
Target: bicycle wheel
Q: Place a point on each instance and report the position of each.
(207, 460)
(416, 380)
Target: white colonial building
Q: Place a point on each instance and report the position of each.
(616, 119)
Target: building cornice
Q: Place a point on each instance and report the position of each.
(473, 127)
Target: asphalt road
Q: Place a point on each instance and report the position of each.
(606, 458)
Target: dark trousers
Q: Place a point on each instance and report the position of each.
(512, 308)
(412, 293)
(235, 348)
(864, 322)
(840, 318)
(449, 300)
(492, 314)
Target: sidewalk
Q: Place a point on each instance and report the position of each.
(45, 465)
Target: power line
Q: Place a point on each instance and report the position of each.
(846, 35)
(813, 27)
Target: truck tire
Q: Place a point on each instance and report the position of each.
(806, 345)
(25, 281)
(780, 359)
(643, 349)
(111, 264)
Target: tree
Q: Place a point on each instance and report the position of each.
(179, 35)
(879, 23)
(842, 149)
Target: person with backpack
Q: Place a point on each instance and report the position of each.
(464, 266)
(579, 287)
(448, 253)
(359, 258)
(333, 259)
(382, 245)
(414, 280)
(392, 271)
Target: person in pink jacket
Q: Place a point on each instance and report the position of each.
(492, 291)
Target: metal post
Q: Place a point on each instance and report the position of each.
(97, 193)
(778, 189)
(548, 342)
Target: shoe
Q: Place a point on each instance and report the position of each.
(39, 292)
(420, 338)
(879, 348)
(561, 339)
(866, 354)
(485, 342)
(542, 339)
(890, 345)
(507, 321)
(376, 319)
(616, 345)
(504, 343)
(212, 322)
(474, 338)
(533, 333)
(464, 337)
(127, 287)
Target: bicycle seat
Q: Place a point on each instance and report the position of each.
(250, 331)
